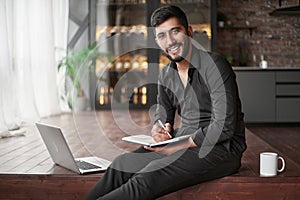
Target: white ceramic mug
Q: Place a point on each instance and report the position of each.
(269, 164)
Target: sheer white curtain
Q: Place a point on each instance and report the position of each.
(61, 24)
(30, 38)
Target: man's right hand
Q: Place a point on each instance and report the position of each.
(159, 134)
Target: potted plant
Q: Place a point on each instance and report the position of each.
(71, 63)
(228, 58)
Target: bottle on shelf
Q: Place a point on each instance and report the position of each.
(263, 63)
(144, 95)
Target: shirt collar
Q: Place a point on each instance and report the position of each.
(194, 59)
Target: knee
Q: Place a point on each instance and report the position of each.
(118, 161)
(126, 163)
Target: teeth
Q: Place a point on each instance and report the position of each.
(173, 49)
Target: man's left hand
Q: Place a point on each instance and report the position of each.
(172, 148)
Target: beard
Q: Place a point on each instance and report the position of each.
(185, 51)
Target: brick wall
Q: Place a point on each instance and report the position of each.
(276, 38)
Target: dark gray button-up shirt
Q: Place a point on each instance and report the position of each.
(209, 106)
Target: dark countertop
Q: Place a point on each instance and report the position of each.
(255, 68)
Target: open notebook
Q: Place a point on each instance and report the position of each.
(149, 141)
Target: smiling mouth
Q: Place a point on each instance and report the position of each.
(173, 49)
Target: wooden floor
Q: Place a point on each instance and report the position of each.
(27, 171)
(282, 137)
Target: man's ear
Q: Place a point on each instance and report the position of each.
(190, 31)
(156, 41)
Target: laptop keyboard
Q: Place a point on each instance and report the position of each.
(85, 165)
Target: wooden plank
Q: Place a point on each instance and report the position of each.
(31, 174)
(256, 146)
(69, 187)
(229, 191)
(83, 143)
(44, 187)
(31, 162)
(15, 143)
(19, 156)
(44, 167)
(284, 138)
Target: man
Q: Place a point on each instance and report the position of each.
(201, 87)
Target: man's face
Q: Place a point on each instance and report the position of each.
(172, 38)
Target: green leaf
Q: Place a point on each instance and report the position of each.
(73, 60)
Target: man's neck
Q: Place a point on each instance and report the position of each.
(183, 68)
(185, 63)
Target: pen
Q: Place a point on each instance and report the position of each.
(164, 127)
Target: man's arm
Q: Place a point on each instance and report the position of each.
(165, 110)
(220, 79)
(172, 148)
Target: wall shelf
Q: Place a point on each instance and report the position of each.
(250, 28)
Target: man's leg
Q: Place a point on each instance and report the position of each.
(174, 172)
(121, 169)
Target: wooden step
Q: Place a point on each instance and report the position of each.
(27, 171)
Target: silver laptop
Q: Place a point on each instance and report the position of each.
(62, 155)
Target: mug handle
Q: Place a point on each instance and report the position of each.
(283, 164)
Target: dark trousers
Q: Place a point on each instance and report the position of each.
(148, 175)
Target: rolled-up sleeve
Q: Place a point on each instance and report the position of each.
(165, 110)
(220, 80)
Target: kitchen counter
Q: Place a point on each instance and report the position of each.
(255, 68)
(269, 95)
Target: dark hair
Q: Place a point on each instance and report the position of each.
(163, 13)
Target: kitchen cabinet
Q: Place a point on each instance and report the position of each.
(257, 93)
(288, 96)
(269, 95)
